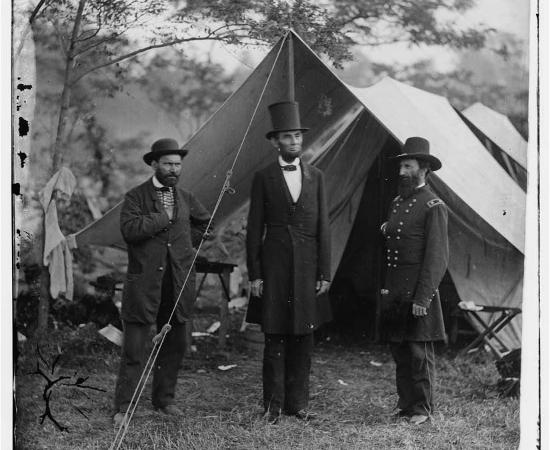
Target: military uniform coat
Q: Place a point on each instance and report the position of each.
(417, 254)
(288, 246)
(153, 242)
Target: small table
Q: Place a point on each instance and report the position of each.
(490, 330)
(223, 270)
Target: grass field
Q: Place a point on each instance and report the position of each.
(352, 396)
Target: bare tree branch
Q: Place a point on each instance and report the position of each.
(91, 36)
(36, 11)
(142, 50)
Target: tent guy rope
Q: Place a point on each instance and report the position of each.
(158, 340)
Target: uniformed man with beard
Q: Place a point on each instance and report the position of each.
(288, 258)
(417, 254)
(156, 221)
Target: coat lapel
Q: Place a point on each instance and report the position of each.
(278, 183)
(151, 193)
(307, 185)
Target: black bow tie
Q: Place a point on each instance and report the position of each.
(163, 189)
(289, 167)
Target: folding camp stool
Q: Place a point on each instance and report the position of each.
(490, 330)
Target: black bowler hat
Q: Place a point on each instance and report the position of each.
(105, 283)
(162, 147)
(419, 148)
(285, 116)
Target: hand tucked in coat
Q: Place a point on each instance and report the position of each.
(321, 287)
(257, 288)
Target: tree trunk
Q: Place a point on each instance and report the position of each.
(57, 153)
(57, 156)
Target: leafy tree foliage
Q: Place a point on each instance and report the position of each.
(188, 91)
(414, 21)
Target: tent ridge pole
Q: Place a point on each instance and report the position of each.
(291, 87)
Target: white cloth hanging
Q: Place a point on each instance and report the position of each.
(57, 254)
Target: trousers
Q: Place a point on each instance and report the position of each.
(286, 366)
(135, 350)
(414, 376)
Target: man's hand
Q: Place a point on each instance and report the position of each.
(419, 311)
(322, 286)
(257, 288)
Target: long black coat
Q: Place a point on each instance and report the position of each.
(288, 246)
(417, 254)
(154, 241)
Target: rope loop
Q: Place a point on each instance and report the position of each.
(165, 329)
(227, 185)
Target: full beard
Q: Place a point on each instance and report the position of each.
(168, 179)
(289, 156)
(407, 185)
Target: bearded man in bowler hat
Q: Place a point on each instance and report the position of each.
(156, 221)
(417, 254)
(288, 258)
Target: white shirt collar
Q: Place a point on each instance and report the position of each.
(156, 182)
(282, 162)
(420, 185)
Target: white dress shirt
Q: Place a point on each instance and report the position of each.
(166, 198)
(293, 178)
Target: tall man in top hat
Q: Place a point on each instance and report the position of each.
(156, 221)
(288, 257)
(417, 254)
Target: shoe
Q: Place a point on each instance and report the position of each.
(400, 414)
(170, 410)
(305, 415)
(119, 419)
(272, 418)
(418, 419)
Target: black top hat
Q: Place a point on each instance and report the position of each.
(162, 147)
(285, 116)
(419, 148)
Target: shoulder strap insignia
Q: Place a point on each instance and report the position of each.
(435, 202)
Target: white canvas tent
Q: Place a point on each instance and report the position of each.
(352, 134)
(499, 129)
(501, 139)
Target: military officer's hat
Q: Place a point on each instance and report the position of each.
(419, 148)
(285, 116)
(162, 147)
